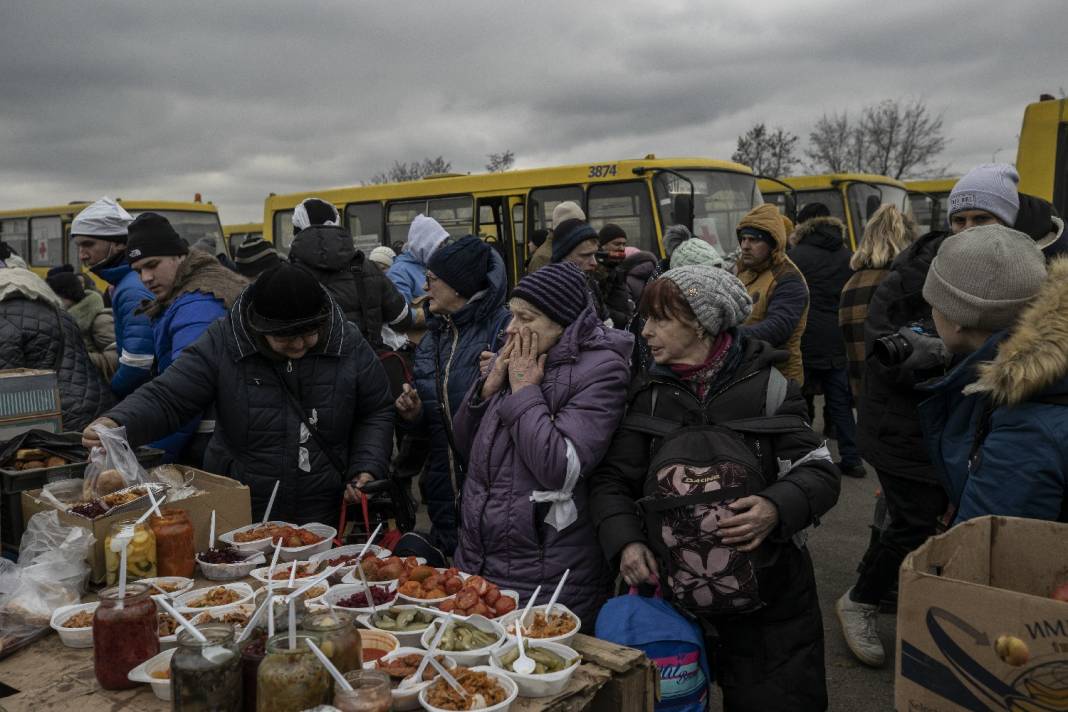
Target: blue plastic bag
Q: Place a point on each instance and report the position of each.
(674, 643)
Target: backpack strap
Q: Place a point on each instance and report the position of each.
(776, 391)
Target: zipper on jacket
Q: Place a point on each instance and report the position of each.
(445, 406)
(289, 365)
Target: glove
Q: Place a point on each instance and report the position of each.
(928, 352)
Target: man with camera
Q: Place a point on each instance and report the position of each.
(575, 241)
(904, 350)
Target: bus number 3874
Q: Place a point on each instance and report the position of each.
(602, 171)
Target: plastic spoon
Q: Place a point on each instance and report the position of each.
(254, 620)
(523, 664)
(119, 544)
(270, 502)
(522, 620)
(154, 507)
(447, 676)
(556, 594)
(292, 625)
(318, 579)
(367, 590)
(370, 539)
(152, 499)
(334, 672)
(415, 677)
(211, 653)
(211, 532)
(292, 575)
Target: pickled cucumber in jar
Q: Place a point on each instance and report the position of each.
(140, 552)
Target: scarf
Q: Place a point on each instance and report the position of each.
(700, 376)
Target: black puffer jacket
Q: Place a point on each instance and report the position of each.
(327, 252)
(888, 422)
(341, 387)
(823, 259)
(35, 332)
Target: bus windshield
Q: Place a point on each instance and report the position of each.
(865, 199)
(721, 199)
(193, 226)
(830, 198)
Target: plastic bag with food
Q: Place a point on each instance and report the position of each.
(112, 466)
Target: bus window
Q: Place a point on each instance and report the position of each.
(543, 200)
(517, 230)
(193, 226)
(488, 223)
(626, 205)
(283, 231)
(400, 219)
(453, 214)
(831, 198)
(46, 241)
(15, 233)
(364, 221)
(721, 199)
(923, 211)
(865, 199)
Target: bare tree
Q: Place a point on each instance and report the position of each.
(500, 162)
(768, 153)
(401, 172)
(832, 145)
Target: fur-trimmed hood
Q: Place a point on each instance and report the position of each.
(19, 283)
(1033, 359)
(826, 232)
(199, 272)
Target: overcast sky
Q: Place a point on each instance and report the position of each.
(238, 99)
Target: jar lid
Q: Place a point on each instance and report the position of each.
(216, 634)
(133, 590)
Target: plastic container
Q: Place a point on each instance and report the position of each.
(175, 543)
(406, 638)
(509, 685)
(230, 572)
(183, 602)
(296, 553)
(511, 618)
(140, 552)
(468, 658)
(251, 547)
(74, 637)
(338, 638)
(216, 616)
(338, 593)
(546, 685)
(262, 574)
(182, 583)
(291, 679)
(348, 550)
(206, 676)
(407, 698)
(376, 644)
(370, 693)
(125, 634)
(143, 673)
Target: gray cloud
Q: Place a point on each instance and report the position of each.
(239, 99)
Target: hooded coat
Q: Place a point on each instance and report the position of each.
(36, 332)
(1017, 383)
(779, 294)
(447, 361)
(823, 259)
(328, 253)
(97, 326)
(518, 443)
(257, 440)
(408, 272)
(133, 330)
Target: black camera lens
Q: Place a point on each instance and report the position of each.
(892, 349)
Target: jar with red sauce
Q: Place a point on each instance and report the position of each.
(175, 543)
(125, 634)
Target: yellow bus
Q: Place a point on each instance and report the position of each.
(929, 200)
(850, 197)
(1042, 154)
(643, 196)
(41, 236)
(237, 233)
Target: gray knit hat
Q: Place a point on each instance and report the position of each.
(991, 187)
(695, 251)
(716, 296)
(981, 278)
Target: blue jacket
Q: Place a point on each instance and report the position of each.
(1021, 469)
(452, 347)
(409, 276)
(133, 331)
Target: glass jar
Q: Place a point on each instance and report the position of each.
(291, 680)
(125, 634)
(370, 692)
(206, 676)
(175, 543)
(140, 552)
(340, 640)
(252, 654)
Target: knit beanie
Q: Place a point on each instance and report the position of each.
(981, 278)
(313, 211)
(151, 235)
(382, 255)
(287, 300)
(557, 290)
(66, 283)
(255, 256)
(718, 299)
(568, 235)
(695, 251)
(764, 221)
(103, 220)
(990, 187)
(675, 236)
(463, 265)
(813, 210)
(567, 210)
(610, 232)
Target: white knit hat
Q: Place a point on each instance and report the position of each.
(991, 187)
(382, 255)
(105, 219)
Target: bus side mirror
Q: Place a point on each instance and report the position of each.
(682, 212)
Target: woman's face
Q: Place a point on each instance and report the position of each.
(526, 315)
(673, 340)
(443, 299)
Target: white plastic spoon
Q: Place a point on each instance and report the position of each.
(556, 594)
(211, 532)
(270, 502)
(447, 676)
(334, 672)
(415, 677)
(522, 620)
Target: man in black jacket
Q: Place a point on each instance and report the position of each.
(820, 253)
(300, 398)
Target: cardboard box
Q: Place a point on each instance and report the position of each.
(229, 498)
(29, 398)
(984, 580)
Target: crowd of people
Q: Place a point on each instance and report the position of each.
(616, 414)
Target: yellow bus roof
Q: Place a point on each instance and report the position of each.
(1036, 154)
(936, 185)
(497, 183)
(229, 230)
(826, 181)
(73, 209)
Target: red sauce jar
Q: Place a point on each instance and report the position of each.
(125, 634)
(175, 543)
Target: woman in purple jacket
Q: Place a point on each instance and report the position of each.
(531, 429)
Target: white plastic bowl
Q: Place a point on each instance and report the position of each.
(73, 637)
(344, 590)
(183, 601)
(230, 572)
(408, 698)
(262, 574)
(432, 602)
(410, 639)
(143, 673)
(295, 553)
(565, 639)
(514, 595)
(546, 685)
(348, 550)
(506, 682)
(184, 584)
(215, 615)
(468, 658)
(252, 547)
